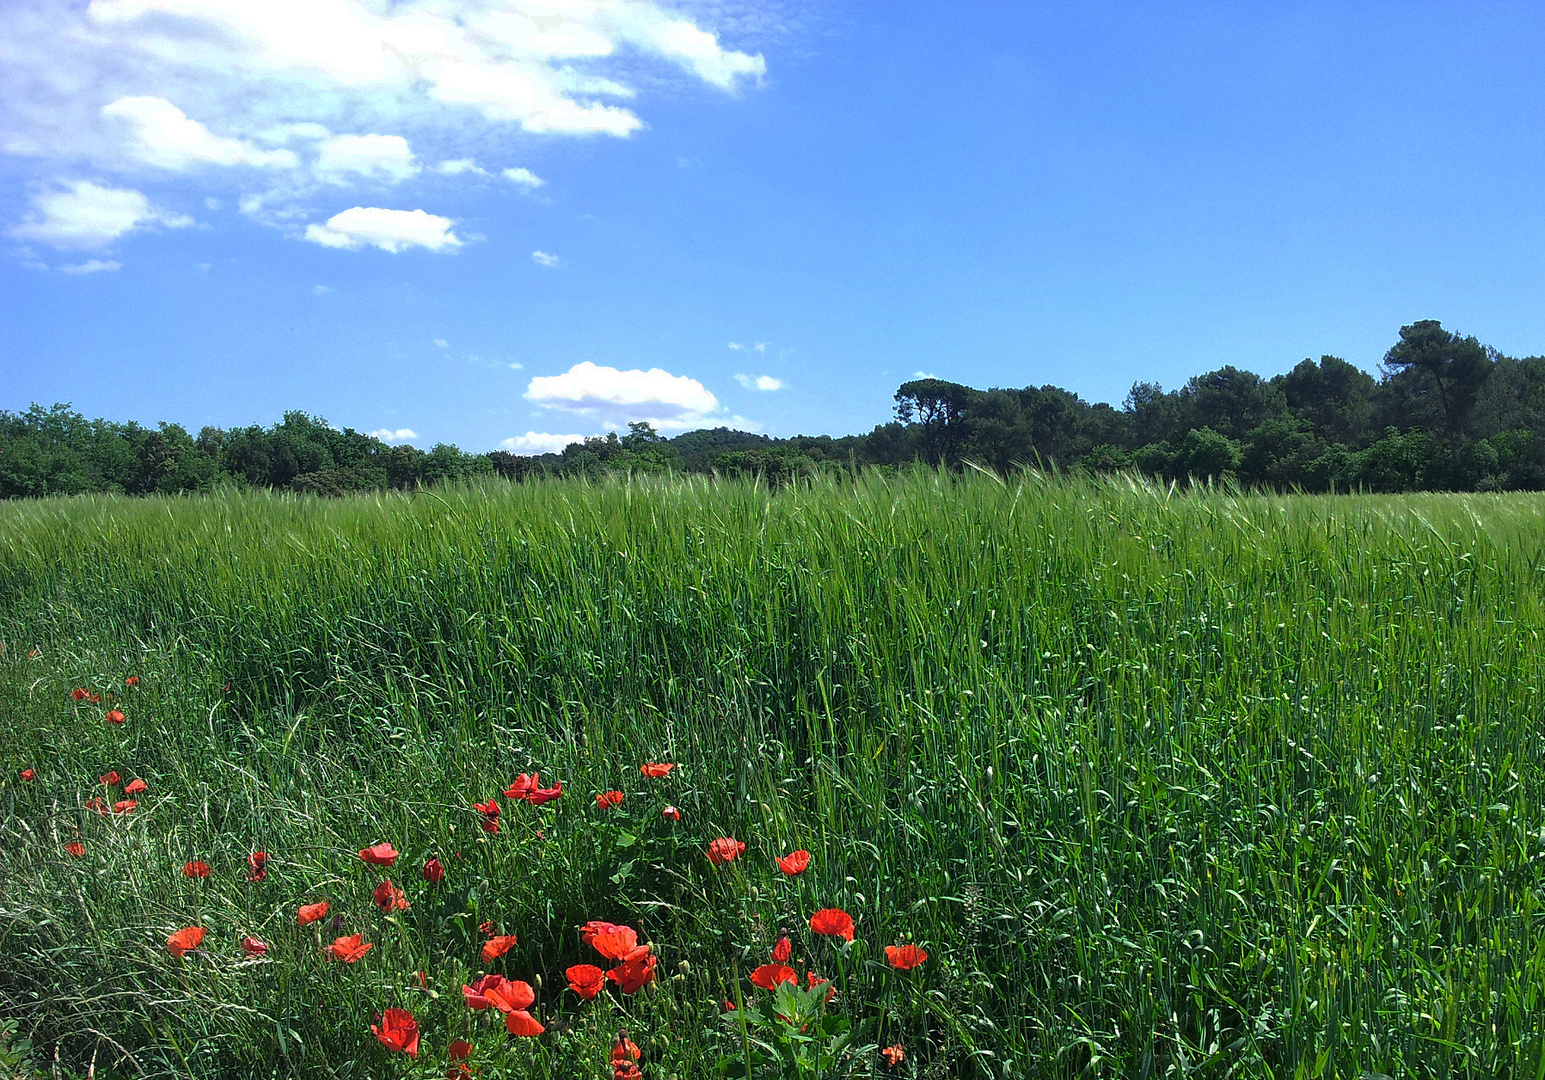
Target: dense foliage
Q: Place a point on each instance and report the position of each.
(1447, 414)
(1158, 782)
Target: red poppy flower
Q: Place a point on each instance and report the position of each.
(389, 898)
(124, 806)
(726, 849)
(727, 1006)
(510, 995)
(197, 868)
(813, 979)
(520, 1022)
(132, 680)
(398, 1031)
(795, 862)
(135, 787)
(615, 943)
(655, 770)
(189, 937)
(635, 972)
(434, 873)
(310, 913)
(486, 927)
(349, 949)
(257, 866)
(95, 804)
(253, 947)
(625, 1049)
(80, 693)
(768, 976)
(75, 848)
(28, 774)
(113, 716)
(476, 995)
(379, 854)
(537, 796)
(626, 1070)
(670, 813)
(490, 812)
(111, 779)
(522, 785)
(459, 1050)
(833, 922)
(608, 799)
(893, 1055)
(586, 980)
(783, 950)
(904, 957)
(496, 947)
(594, 927)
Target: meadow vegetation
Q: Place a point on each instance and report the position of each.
(1162, 782)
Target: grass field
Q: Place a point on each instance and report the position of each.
(1164, 783)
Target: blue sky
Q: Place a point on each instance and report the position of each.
(763, 215)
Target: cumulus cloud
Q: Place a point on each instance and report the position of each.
(541, 258)
(83, 216)
(388, 435)
(524, 177)
(759, 382)
(91, 266)
(540, 442)
(161, 134)
(344, 159)
(389, 230)
(669, 402)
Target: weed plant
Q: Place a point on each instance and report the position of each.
(1165, 783)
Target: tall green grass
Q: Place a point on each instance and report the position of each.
(1167, 783)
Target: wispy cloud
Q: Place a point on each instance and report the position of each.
(540, 442)
(759, 382)
(91, 266)
(542, 258)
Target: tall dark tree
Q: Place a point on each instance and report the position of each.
(938, 406)
(1335, 398)
(1429, 362)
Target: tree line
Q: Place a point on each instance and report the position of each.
(1445, 413)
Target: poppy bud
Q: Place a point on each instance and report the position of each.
(989, 772)
(670, 813)
(537, 978)
(684, 967)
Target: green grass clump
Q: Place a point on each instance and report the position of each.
(1165, 783)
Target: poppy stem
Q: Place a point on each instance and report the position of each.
(740, 1011)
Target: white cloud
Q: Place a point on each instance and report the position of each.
(83, 215)
(524, 177)
(91, 266)
(667, 401)
(162, 135)
(540, 442)
(759, 382)
(441, 342)
(924, 375)
(345, 158)
(737, 346)
(388, 435)
(761, 346)
(321, 290)
(517, 367)
(301, 89)
(459, 166)
(389, 230)
(541, 258)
